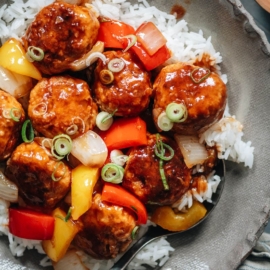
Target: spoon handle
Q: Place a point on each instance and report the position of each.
(123, 262)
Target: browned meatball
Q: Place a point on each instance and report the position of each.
(106, 229)
(205, 100)
(64, 32)
(142, 174)
(31, 168)
(130, 91)
(58, 103)
(9, 129)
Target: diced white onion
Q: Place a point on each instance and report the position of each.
(194, 152)
(118, 157)
(89, 58)
(8, 190)
(15, 84)
(89, 149)
(71, 261)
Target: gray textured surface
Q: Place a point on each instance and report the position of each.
(229, 234)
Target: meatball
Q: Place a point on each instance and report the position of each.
(204, 97)
(62, 105)
(9, 129)
(130, 91)
(142, 173)
(64, 32)
(31, 168)
(106, 229)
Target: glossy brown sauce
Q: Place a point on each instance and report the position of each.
(179, 11)
(205, 62)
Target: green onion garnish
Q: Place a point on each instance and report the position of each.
(177, 112)
(106, 76)
(160, 150)
(15, 114)
(67, 217)
(134, 208)
(162, 175)
(134, 232)
(208, 72)
(112, 173)
(61, 146)
(35, 53)
(58, 164)
(104, 120)
(164, 123)
(27, 126)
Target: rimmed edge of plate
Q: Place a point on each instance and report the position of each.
(250, 24)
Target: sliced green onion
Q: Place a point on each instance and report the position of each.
(208, 72)
(104, 120)
(160, 150)
(162, 175)
(61, 146)
(116, 65)
(6, 114)
(58, 164)
(176, 112)
(35, 53)
(118, 157)
(106, 76)
(40, 109)
(48, 146)
(71, 130)
(67, 217)
(112, 173)
(164, 123)
(134, 208)
(27, 126)
(134, 232)
(15, 114)
(80, 120)
(132, 39)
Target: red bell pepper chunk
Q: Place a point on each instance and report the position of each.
(117, 195)
(124, 133)
(111, 32)
(151, 62)
(30, 224)
(149, 36)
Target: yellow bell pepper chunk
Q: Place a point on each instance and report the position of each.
(166, 218)
(12, 57)
(64, 232)
(83, 180)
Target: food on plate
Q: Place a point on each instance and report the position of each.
(60, 34)
(121, 84)
(107, 229)
(11, 120)
(62, 105)
(143, 175)
(198, 89)
(113, 145)
(42, 180)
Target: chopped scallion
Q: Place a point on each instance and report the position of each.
(27, 128)
(176, 112)
(201, 79)
(112, 173)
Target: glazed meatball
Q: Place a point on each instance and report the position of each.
(31, 168)
(62, 105)
(64, 32)
(9, 129)
(130, 91)
(201, 91)
(142, 173)
(106, 229)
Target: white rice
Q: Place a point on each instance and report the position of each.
(187, 46)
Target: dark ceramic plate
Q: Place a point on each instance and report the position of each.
(228, 235)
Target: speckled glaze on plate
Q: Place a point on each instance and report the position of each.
(228, 235)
